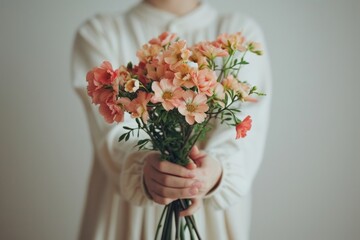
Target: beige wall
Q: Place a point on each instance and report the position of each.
(307, 188)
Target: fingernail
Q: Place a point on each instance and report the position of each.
(196, 184)
(193, 191)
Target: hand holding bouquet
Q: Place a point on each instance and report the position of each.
(173, 93)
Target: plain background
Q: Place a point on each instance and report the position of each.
(309, 184)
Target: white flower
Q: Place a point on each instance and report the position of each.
(132, 85)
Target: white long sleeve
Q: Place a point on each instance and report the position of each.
(94, 44)
(241, 158)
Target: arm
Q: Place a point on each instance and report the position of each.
(240, 159)
(95, 42)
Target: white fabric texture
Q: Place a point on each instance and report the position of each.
(117, 206)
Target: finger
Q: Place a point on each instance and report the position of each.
(173, 181)
(161, 200)
(195, 154)
(174, 193)
(191, 165)
(194, 151)
(170, 168)
(195, 205)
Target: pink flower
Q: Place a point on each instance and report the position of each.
(163, 39)
(243, 127)
(140, 72)
(105, 73)
(125, 104)
(193, 107)
(139, 106)
(111, 111)
(96, 91)
(166, 93)
(102, 95)
(92, 84)
(100, 81)
(157, 70)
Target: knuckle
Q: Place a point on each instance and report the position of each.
(187, 183)
(166, 180)
(162, 191)
(184, 193)
(183, 172)
(161, 165)
(162, 201)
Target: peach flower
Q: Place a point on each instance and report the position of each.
(210, 51)
(205, 81)
(166, 93)
(231, 83)
(177, 54)
(219, 94)
(123, 75)
(243, 127)
(234, 41)
(255, 47)
(193, 107)
(163, 39)
(139, 106)
(111, 111)
(184, 75)
(198, 57)
(148, 52)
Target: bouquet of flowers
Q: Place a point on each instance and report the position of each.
(173, 93)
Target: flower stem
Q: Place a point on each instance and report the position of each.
(160, 221)
(190, 221)
(166, 234)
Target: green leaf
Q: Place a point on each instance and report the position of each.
(143, 141)
(127, 137)
(122, 137)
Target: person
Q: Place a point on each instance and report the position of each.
(127, 188)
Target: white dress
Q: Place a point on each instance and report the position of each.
(117, 206)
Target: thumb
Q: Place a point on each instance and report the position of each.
(197, 156)
(191, 165)
(194, 152)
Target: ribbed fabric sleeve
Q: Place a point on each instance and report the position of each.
(122, 162)
(241, 158)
